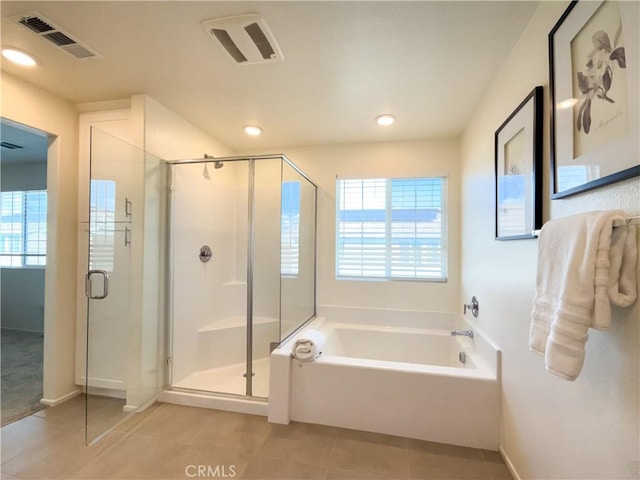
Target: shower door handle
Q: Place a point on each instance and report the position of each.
(105, 284)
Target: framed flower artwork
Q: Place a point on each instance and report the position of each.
(594, 52)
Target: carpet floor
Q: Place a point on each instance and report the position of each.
(21, 377)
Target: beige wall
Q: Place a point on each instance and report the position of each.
(399, 159)
(171, 137)
(551, 428)
(22, 298)
(29, 105)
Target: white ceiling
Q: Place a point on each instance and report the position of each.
(344, 63)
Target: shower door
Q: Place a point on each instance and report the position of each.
(123, 287)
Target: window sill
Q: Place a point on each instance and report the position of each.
(23, 267)
(386, 279)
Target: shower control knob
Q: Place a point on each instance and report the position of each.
(205, 253)
(474, 306)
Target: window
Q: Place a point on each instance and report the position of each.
(391, 228)
(290, 228)
(102, 225)
(23, 228)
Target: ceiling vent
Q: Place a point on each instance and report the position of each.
(246, 38)
(9, 145)
(61, 39)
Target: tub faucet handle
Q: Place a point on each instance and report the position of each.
(474, 306)
(463, 333)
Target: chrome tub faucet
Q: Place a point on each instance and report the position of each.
(464, 333)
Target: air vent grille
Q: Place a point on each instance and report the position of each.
(49, 31)
(59, 38)
(36, 24)
(79, 51)
(261, 41)
(225, 39)
(10, 146)
(246, 38)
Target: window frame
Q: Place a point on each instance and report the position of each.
(24, 236)
(388, 209)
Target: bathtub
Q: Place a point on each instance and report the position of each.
(393, 372)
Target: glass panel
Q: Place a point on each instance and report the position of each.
(266, 269)
(298, 233)
(212, 205)
(209, 206)
(102, 218)
(125, 355)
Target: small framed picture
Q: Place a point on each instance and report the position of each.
(518, 163)
(594, 52)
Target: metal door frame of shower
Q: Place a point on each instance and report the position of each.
(250, 159)
(270, 156)
(248, 374)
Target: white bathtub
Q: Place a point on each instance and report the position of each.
(394, 372)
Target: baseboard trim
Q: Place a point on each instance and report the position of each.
(509, 463)
(57, 401)
(106, 392)
(141, 408)
(41, 332)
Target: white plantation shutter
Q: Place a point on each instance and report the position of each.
(391, 228)
(102, 225)
(290, 228)
(23, 228)
(35, 232)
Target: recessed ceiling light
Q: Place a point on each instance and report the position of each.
(253, 130)
(385, 119)
(18, 57)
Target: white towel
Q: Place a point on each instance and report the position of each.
(308, 345)
(584, 265)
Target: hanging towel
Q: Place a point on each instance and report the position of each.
(308, 346)
(584, 265)
(623, 257)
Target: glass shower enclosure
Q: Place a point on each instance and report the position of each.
(242, 268)
(124, 233)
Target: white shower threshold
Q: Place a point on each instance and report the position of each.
(248, 405)
(216, 388)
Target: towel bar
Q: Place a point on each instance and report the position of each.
(616, 223)
(626, 221)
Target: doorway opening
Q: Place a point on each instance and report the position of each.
(23, 244)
